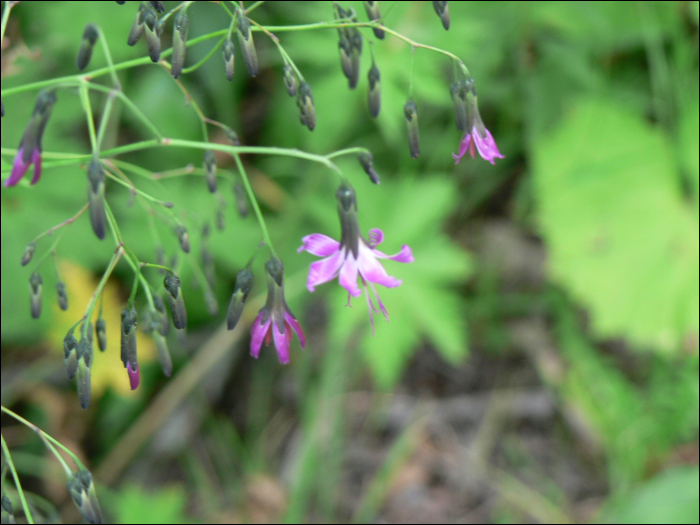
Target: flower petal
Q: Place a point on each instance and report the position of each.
(404, 256)
(376, 237)
(36, 159)
(487, 146)
(257, 334)
(372, 270)
(19, 168)
(463, 146)
(348, 274)
(134, 376)
(319, 245)
(289, 319)
(281, 343)
(324, 270)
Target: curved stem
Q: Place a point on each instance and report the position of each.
(18, 485)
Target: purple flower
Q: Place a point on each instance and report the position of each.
(275, 321)
(29, 151)
(478, 137)
(352, 256)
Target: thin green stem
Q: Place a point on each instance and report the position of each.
(110, 64)
(52, 249)
(98, 291)
(254, 6)
(346, 151)
(60, 459)
(5, 18)
(254, 202)
(87, 107)
(127, 101)
(18, 485)
(165, 204)
(103, 121)
(206, 57)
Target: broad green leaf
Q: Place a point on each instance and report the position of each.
(619, 233)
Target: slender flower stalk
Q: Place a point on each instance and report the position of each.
(353, 256)
(275, 320)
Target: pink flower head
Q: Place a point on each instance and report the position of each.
(352, 256)
(477, 137)
(29, 151)
(275, 321)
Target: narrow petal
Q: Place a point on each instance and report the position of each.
(319, 245)
(372, 270)
(19, 168)
(376, 237)
(36, 159)
(289, 319)
(281, 343)
(324, 270)
(487, 146)
(348, 274)
(379, 302)
(463, 147)
(257, 334)
(404, 256)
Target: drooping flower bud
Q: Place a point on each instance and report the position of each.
(374, 95)
(86, 46)
(96, 197)
(411, 113)
(210, 169)
(443, 11)
(372, 9)
(220, 219)
(356, 41)
(180, 26)
(101, 329)
(166, 361)
(229, 58)
(84, 355)
(128, 346)
(183, 237)
(35, 289)
(163, 320)
(290, 80)
(345, 47)
(8, 515)
(29, 151)
(62, 296)
(28, 253)
(137, 26)
(305, 102)
(175, 301)
(158, 6)
(366, 161)
(151, 24)
(70, 354)
(458, 91)
(82, 491)
(245, 40)
(208, 267)
(241, 201)
(232, 136)
(244, 284)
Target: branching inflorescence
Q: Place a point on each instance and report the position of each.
(352, 257)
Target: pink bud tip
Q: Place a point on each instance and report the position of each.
(134, 376)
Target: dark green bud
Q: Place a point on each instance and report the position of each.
(372, 10)
(28, 253)
(244, 284)
(82, 491)
(232, 136)
(210, 169)
(70, 354)
(220, 220)
(275, 269)
(8, 515)
(96, 197)
(158, 6)
(345, 46)
(374, 95)
(86, 46)
(366, 161)
(35, 290)
(305, 102)
(164, 321)
(166, 362)
(347, 212)
(411, 113)
(84, 354)
(229, 58)
(356, 41)
(101, 329)
(62, 296)
(458, 90)
(245, 40)
(128, 338)
(443, 11)
(137, 26)
(290, 80)
(180, 26)
(175, 301)
(183, 237)
(152, 34)
(241, 201)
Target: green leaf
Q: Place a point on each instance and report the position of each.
(135, 505)
(621, 238)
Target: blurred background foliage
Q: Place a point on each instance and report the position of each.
(541, 362)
